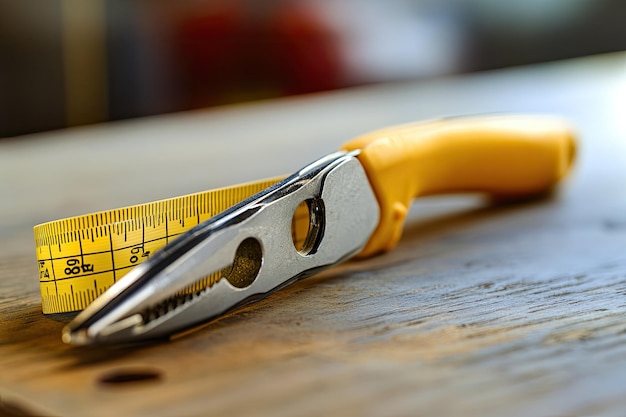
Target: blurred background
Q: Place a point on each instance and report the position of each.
(75, 62)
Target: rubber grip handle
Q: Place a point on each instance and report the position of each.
(506, 156)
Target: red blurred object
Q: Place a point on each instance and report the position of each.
(306, 56)
(230, 54)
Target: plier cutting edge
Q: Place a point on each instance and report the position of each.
(357, 201)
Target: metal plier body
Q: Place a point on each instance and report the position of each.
(254, 234)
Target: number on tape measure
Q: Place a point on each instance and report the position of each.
(80, 257)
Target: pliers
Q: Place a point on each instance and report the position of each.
(356, 201)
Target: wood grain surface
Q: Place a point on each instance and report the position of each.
(483, 309)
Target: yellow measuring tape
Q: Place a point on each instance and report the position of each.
(80, 257)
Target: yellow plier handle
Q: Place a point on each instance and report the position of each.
(508, 155)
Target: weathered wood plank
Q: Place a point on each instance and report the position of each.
(482, 310)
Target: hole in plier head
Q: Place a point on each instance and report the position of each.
(246, 265)
(307, 226)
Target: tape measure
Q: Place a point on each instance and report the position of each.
(81, 257)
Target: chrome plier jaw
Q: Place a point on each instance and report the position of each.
(250, 243)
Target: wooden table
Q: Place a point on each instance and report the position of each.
(483, 310)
